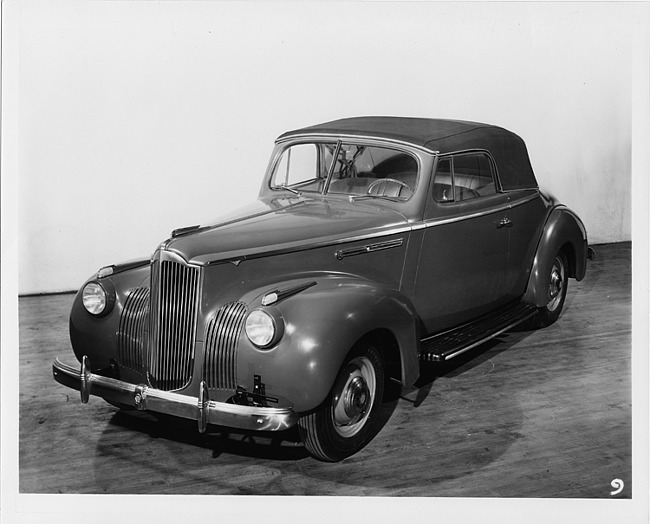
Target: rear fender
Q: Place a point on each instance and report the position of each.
(563, 231)
(322, 323)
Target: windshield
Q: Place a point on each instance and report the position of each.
(346, 168)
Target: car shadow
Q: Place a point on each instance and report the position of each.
(287, 445)
(475, 357)
(432, 371)
(283, 446)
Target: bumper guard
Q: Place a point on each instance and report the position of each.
(143, 397)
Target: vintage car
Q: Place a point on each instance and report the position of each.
(376, 243)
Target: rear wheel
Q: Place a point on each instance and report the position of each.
(343, 424)
(557, 289)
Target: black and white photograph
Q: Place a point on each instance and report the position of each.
(325, 260)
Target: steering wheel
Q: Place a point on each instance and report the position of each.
(384, 180)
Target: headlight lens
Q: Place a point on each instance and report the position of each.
(94, 298)
(260, 328)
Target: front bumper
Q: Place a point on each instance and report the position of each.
(143, 397)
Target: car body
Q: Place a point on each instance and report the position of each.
(376, 243)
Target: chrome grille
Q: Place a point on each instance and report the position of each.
(219, 365)
(131, 330)
(173, 323)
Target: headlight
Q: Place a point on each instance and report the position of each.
(263, 329)
(96, 300)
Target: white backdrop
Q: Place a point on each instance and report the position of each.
(139, 117)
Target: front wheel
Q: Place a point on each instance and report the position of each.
(557, 288)
(343, 424)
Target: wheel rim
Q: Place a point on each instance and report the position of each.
(354, 396)
(556, 284)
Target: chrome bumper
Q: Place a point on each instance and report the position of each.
(143, 397)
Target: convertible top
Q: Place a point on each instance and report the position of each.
(441, 136)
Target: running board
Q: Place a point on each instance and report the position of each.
(449, 344)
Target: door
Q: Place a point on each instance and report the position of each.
(464, 252)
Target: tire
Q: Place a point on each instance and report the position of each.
(344, 422)
(557, 289)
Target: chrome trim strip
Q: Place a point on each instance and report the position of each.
(305, 247)
(171, 403)
(439, 222)
(499, 209)
(370, 248)
(277, 295)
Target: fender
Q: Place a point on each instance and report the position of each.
(322, 323)
(96, 337)
(563, 230)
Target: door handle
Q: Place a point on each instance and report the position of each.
(504, 222)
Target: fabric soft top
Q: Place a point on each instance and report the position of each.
(442, 136)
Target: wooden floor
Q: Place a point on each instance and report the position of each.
(533, 414)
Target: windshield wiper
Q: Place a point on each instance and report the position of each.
(294, 191)
(383, 197)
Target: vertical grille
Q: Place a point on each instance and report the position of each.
(219, 366)
(130, 334)
(173, 323)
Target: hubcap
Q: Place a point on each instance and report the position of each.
(353, 397)
(356, 398)
(556, 284)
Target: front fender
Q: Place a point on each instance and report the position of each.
(563, 230)
(96, 337)
(321, 325)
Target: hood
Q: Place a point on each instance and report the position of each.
(275, 225)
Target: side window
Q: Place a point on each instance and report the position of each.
(443, 182)
(473, 176)
(298, 165)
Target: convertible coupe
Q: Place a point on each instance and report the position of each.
(376, 243)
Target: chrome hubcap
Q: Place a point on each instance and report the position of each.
(356, 398)
(353, 397)
(556, 284)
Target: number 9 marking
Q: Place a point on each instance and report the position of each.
(618, 486)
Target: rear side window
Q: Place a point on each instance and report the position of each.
(463, 177)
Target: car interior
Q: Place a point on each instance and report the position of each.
(472, 178)
(395, 176)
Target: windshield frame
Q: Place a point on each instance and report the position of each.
(339, 142)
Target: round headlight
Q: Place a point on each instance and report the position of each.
(260, 328)
(94, 298)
